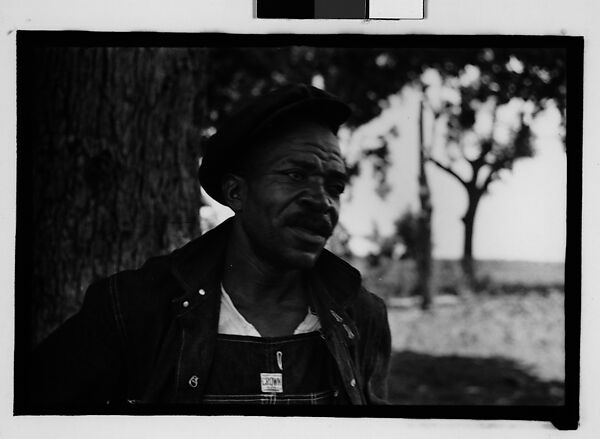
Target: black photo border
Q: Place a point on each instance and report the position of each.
(562, 417)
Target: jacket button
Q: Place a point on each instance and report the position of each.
(185, 304)
(336, 316)
(349, 332)
(353, 382)
(201, 292)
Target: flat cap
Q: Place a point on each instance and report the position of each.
(232, 139)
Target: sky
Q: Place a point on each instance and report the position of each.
(523, 217)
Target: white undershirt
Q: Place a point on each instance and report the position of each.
(231, 322)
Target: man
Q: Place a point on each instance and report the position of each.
(255, 311)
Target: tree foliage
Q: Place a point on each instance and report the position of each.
(486, 111)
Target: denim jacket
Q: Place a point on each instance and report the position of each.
(140, 333)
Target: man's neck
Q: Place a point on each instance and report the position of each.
(253, 280)
(269, 297)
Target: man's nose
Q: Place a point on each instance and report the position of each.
(316, 198)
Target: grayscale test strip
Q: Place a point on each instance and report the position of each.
(340, 9)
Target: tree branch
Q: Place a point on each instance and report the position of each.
(491, 176)
(480, 161)
(448, 170)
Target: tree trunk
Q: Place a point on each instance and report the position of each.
(468, 263)
(114, 148)
(424, 247)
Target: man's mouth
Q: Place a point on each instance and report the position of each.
(308, 235)
(317, 231)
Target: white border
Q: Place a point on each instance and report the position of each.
(529, 17)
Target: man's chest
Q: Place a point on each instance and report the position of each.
(287, 370)
(265, 319)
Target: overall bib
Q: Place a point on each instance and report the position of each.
(295, 369)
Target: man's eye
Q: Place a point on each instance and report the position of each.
(337, 189)
(296, 175)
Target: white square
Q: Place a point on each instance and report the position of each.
(396, 9)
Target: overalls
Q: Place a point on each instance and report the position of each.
(294, 369)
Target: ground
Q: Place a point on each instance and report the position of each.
(503, 345)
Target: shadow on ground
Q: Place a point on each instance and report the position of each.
(421, 379)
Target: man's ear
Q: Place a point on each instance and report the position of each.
(234, 190)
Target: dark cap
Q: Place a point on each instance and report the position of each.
(228, 143)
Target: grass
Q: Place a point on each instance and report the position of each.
(528, 329)
(398, 278)
(501, 346)
(421, 379)
(484, 350)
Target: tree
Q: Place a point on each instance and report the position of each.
(424, 255)
(531, 77)
(487, 110)
(113, 135)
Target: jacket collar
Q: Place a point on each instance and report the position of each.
(200, 262)
(198, 266)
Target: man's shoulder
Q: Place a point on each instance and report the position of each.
(343, 276)
(367, 306)
(153, 278)
(163, 278)
(369, 299)
(140, 289)
(152, 272)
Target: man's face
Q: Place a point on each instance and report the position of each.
(293, 195)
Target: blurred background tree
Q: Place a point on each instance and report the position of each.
(486, 111)
(460, 87)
